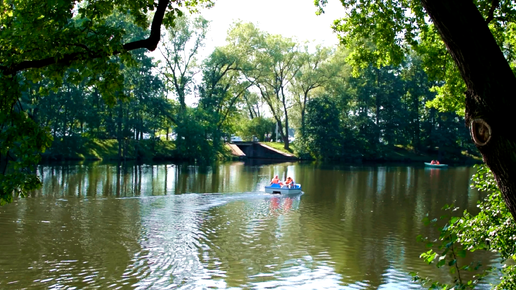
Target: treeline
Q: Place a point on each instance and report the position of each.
(258, 85)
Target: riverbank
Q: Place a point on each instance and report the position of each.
(108, 149)
(398, 154)
(157, 149)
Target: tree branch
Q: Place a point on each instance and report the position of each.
(494, 5)
(149, 43)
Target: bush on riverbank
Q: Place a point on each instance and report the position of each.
(461, 233)
(400, 153)
(389, 154)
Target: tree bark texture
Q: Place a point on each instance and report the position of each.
(491, 85)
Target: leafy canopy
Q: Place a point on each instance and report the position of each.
(383, 32)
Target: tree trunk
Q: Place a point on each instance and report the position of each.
(285, 111)
(417, 126)
(377, 106)
(4, 161)
(280, 129)
(286, 140)
(141, 128)
(303, 112)
(119, 133)
(491, 86)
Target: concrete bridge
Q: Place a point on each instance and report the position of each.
(258, 150)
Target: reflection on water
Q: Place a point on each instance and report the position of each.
(178, 226)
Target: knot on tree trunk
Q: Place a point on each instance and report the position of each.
(480, 132)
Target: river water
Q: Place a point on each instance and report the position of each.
(168, 226)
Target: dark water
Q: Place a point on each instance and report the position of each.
(184, 227)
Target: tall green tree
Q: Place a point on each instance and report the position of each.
(323, 128)
(77, 113)
(314, 73)
(272, 63)
(281, 61)
(222, 88)
(478, 38)
(185, 39)
(417, 94)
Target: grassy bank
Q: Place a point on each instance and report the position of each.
(79, 148)
(279, 146)
(107, 149)
(154, 149)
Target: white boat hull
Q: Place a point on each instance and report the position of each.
(427, 164)
(283, 190)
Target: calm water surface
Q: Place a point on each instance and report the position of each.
(169, 226)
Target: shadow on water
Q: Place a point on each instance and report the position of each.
(259, 162)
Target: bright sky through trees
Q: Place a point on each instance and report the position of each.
(290, 18)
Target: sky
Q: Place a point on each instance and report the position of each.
(290, 18)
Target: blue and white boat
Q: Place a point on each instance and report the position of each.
(428, 164)
(284, 190)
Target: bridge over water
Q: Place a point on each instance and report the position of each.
(258, 150)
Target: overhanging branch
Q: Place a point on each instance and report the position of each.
(149, 43)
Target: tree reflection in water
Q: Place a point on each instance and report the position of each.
(183, 226)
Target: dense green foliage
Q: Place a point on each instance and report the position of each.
(75, 111)
(258, 127)
(381, 108)
(385, 32)
(323, 130)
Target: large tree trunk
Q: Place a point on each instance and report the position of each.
(490, 97)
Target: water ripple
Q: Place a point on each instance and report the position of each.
(352, 232)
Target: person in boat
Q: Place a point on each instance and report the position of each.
(290, 182)
(275, 180)
(433, 162)
(437, 162)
